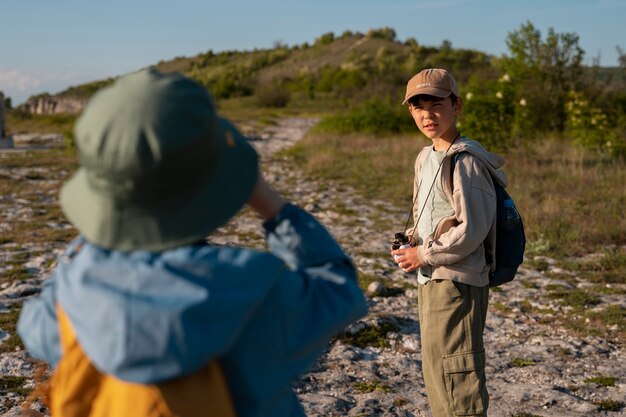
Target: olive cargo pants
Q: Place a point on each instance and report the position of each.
(452, 319)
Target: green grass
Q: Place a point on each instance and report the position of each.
(609, 322)
(41, 175)
(501, 307)
(609, 405)
(613, 315)
(521, 362)
(400, 402)
(36, 189)
(370, 335)
(564, 352)
(14, 272)
(607, 289)
(605, 381)
(529, 284)
(536, 264)
(365, 387)
(14, 384)
(365, 280)
(607, 269)
(573, 297)
(378, 168)
(8, 323)
(19, 122)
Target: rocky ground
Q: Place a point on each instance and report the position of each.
(538, 365)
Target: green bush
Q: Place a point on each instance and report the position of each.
(272, 95)
(235, 81)
(68, 138)
(340, 81)
(386, 33)
(545, 69)
(591, 128)
(375, 116)
(488, 113)
(325, 39)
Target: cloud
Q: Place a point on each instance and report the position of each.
(16, 80)
(19, 85)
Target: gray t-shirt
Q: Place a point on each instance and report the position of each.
(433, 206)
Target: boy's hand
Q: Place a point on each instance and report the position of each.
(408, 259)
(265, 200)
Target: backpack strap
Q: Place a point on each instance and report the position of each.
(453, 160)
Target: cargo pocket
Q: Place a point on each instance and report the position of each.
(465, 383)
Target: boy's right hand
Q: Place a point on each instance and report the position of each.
(265, 200)
(407, 258)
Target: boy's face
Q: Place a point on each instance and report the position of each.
(435, 117)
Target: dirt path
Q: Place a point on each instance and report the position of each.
(536, 367)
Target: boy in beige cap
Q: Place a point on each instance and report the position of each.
(454, 216)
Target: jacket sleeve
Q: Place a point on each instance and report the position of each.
(474, 204)
(37, 325)
(315, 296)
(319, 290)
(320, 285)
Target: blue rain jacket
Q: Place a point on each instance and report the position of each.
(151, 316)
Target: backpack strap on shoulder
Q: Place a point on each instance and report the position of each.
(453, 159)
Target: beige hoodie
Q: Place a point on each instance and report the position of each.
(455, 249)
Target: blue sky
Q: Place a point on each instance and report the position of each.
(46, 46)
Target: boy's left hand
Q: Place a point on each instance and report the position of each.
(408, 260)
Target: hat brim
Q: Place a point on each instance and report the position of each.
(170, 222)
(428, 91)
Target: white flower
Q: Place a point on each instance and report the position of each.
(469, 96)
(522, 102)
(499, 94)
(505, 78)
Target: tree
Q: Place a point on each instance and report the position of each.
(622, 57)
(544, 72)
(386, 33)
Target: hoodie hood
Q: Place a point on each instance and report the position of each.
(150, 316)
(492, 161)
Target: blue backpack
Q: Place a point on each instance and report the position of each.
(510, 237)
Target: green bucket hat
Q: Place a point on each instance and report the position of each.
(159, 167)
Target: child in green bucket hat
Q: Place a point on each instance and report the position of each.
(141, 316)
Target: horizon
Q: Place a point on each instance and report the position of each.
(55, 46)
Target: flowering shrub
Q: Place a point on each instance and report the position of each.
(591, 129)
(488, 113)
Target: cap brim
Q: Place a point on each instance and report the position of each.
(169, 222)
(429, 91)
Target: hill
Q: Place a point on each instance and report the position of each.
(541, 86)
(353, 65)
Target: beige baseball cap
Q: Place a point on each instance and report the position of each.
(433, 82)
